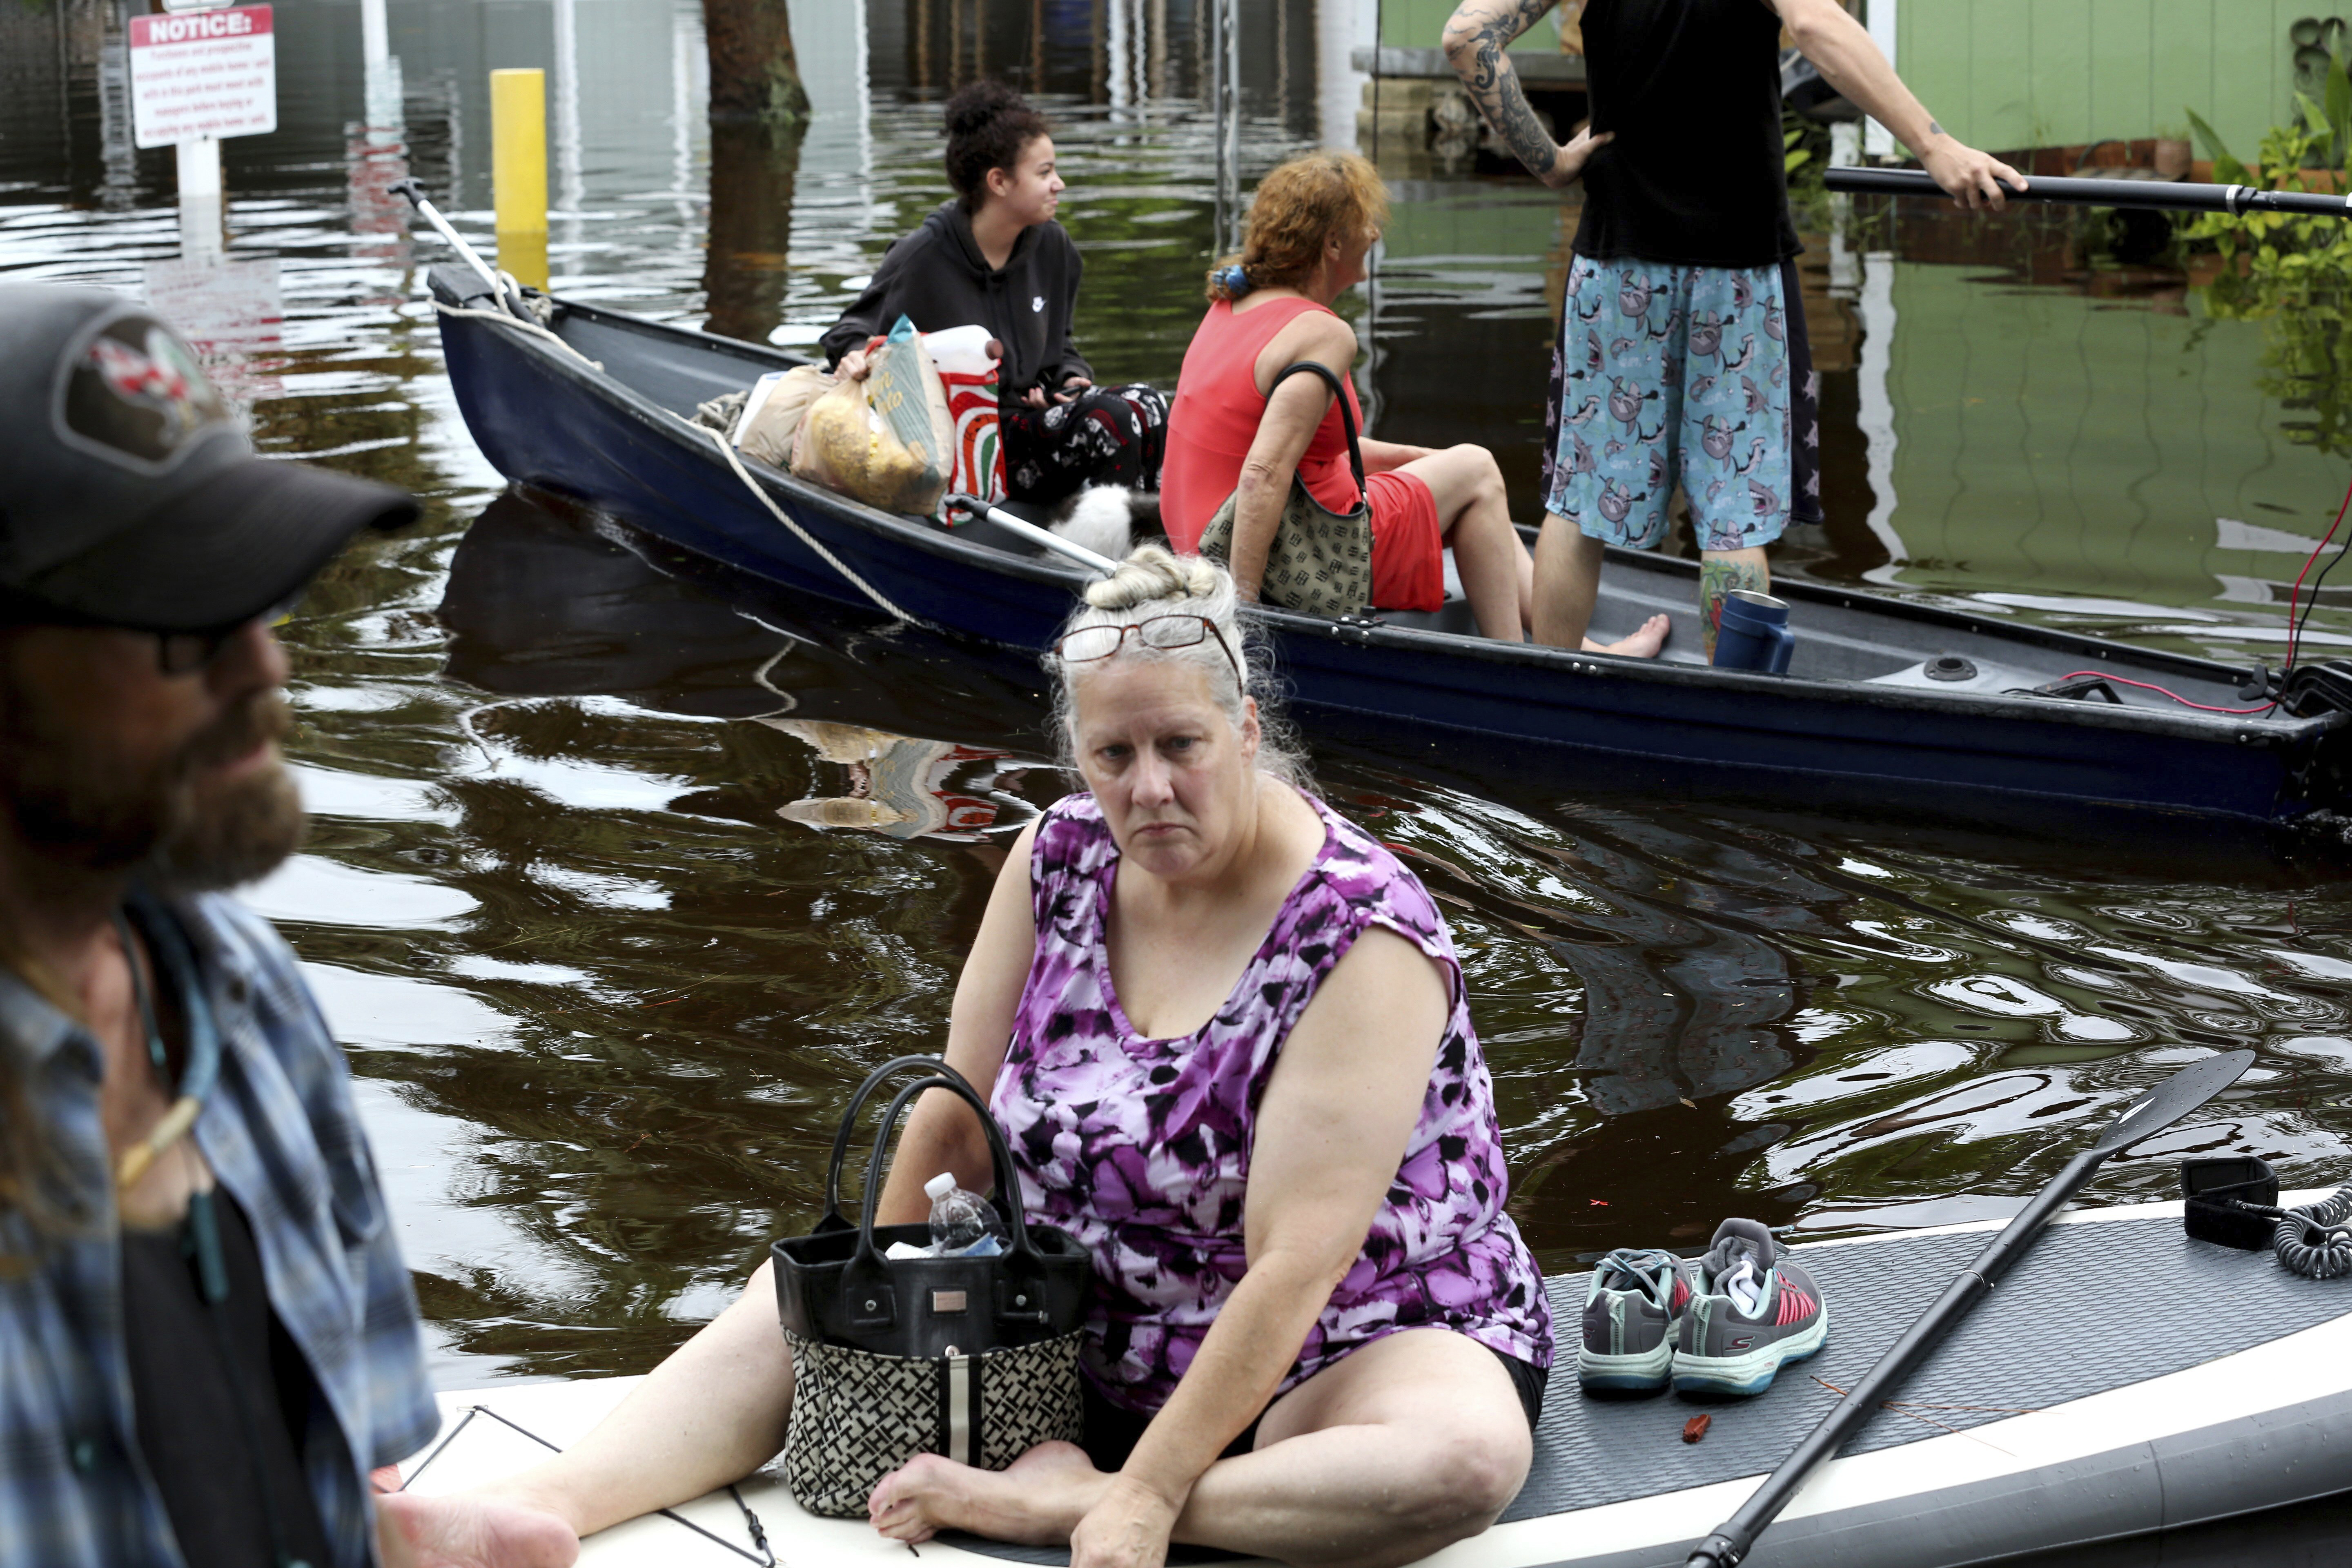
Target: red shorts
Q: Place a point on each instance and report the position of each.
(1408, 546)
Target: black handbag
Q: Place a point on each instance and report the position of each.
(1320, 561)
(975, 1358)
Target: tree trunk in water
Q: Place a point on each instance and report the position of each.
(754, 77)
(752, 167)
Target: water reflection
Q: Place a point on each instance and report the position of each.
(907, 787)
(749, 250)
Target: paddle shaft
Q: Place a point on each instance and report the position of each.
(1044, 538)
(1735, 1536)
(466, 253)
(2162, 194)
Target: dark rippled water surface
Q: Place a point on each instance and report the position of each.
(623, 873)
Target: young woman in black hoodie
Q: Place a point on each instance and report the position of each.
(995, 255)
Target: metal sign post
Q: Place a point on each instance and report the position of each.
(198, 76)
(1226, 112)
(382, 67)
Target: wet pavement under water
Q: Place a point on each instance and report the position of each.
(623, 872)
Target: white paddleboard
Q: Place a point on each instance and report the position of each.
(2266, 1422)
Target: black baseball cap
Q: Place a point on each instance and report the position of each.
(130, 496)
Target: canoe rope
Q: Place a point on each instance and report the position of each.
(828, 557)
(519, 324)
(766, 1556)
(727, 450)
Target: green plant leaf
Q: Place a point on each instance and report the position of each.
(1792, 161)
(2339, 110)
(2207, 138)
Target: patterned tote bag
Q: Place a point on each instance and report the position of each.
(975, 1358)
(1320, 561)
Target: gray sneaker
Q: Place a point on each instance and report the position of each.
(1631, 1306)
(1752, 1311)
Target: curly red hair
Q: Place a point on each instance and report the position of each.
(1299, 206)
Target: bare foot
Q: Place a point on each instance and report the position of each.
(464, 1531)
(1643, 644)
(1035, 1502)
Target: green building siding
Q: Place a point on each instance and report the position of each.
(2052, 73)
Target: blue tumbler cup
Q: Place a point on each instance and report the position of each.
(1754, 633)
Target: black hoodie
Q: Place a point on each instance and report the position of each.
(937, 277)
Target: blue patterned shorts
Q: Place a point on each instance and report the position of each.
(1693, 372)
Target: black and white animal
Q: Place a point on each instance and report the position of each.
(1106, 519)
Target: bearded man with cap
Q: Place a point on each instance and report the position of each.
(1682, 355)
(207, 1338)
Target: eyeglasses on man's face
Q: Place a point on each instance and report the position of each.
(187, 653)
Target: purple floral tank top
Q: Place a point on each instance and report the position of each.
(1141, 1148)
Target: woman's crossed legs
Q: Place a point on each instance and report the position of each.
(1408, 1445)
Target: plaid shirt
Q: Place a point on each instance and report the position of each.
(283, 1135)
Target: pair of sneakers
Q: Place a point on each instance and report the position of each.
(1722, 1324)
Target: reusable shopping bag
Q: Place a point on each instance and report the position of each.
(885, 440)
(969, 370)
(1320, 561)
(975, 1358)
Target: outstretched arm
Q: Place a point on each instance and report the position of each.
(1849, 61)
(1475, 38)
(1332, 1131)
(941, 1133)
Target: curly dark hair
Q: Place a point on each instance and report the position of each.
(988, 125)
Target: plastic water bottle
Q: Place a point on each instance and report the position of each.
(963, 1223)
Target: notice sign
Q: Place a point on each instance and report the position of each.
(202, 73)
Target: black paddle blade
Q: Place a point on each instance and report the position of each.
(2173, 1098)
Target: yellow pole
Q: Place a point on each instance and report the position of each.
(518, 172)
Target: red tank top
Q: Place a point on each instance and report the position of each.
(1215, 417)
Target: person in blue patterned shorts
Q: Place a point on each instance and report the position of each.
(1682, 359)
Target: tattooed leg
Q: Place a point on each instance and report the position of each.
(1721, 571)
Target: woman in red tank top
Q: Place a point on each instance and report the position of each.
(1310, 225)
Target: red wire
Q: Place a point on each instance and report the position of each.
(2150, 686)
(2293, 628)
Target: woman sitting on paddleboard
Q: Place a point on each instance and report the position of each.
(1227, 1038)
(995, 256)
(1234, 433)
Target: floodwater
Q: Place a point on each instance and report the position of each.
(625, 873)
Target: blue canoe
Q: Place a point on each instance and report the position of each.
(1866, 720)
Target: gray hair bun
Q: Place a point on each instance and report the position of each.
(1149, 582)
(1151, 574)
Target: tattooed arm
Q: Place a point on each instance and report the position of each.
(1475, 38)
(1850, 61)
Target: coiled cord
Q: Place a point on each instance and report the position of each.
(2313, 1240)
